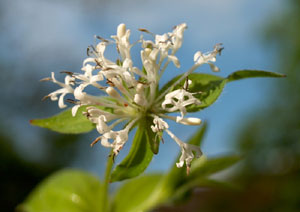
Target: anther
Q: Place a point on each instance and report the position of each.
(73, 101)
(45, 97)
(46, 79)
(95, 141)
(67, 72)
(146, 31)
(218, 48)
(102, 39)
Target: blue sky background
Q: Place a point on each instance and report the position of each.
(53, 36)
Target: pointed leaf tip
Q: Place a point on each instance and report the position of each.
(64, 122)
(243, 74)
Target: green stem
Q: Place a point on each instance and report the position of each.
(109, 165)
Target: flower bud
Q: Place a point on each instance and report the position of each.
(121, 30)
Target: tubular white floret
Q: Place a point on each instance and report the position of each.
(187, 150)
(159, 124)
(178, 100)
(66, 88)
(185, 121)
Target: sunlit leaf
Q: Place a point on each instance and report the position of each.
(210, 88)
(138, 158)
(64, 122)
(134, 194)
(66, 190)
(242, 74)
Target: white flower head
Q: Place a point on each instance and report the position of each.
(128, 95)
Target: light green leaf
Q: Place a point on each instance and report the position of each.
(242, 74)
(134, 195)
(138, 158)
(207, 88)
(64, 122)
(206, 167)
(65, 191)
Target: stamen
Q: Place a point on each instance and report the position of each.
(188, 168)
(95, 141)
(218, 48)
(67, 72)
(45, 97)
(146, 31)
(102, 39)
(73, 101)
(46, 79)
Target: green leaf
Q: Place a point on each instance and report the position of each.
(183, 191)
(64, 122)
(153, 138)
(197, 138)
(203, 167)
(66, 190)
(207, 88)
(134, 195)
(138, 158)
(242, 74)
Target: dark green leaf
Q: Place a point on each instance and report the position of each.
(242, 74)
(64, 122)
(138, 158)
(203, 167)
(207, 88)
(183, 191)
(66, 190)
(153, 138)
(134, 194)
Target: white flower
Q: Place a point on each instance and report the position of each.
(200, 58)
(66, 88)
(187, 150)
(128, 94)
(88, 78)
(178, 100)
(120, 137)
(177, 36)
(122, 40)
(159, 125)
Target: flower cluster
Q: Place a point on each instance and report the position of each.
(129, 94)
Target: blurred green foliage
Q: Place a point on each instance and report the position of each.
(71, 190)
